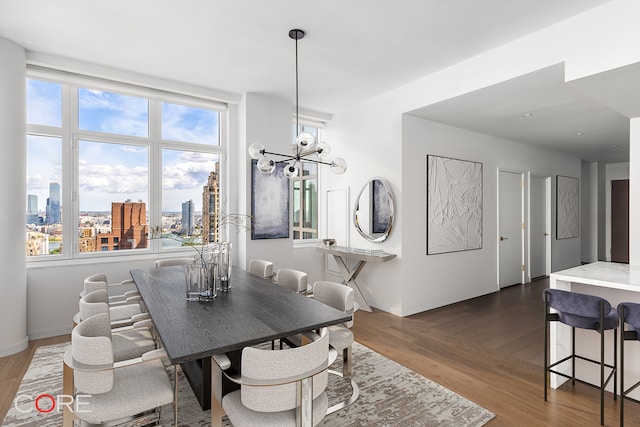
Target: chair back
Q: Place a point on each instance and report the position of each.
(272, 366)
(173, 261)
(630, 312)
(575, 303)
(91, 346)
(336, 295)
(292, 279)
(95, 282)
(96, 302)
(262, 268)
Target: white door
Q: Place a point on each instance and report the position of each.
(510, 229)
(538, 227)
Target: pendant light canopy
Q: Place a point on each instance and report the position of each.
(306, 149)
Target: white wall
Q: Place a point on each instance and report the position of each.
(613, 171)
(589, 212)
(436, 280)
(13, 304)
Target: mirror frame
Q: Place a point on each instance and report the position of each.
(386, 233)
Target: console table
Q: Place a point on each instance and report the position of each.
(343, 255)
(612, 281)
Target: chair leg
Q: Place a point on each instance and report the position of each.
(622, 372)
(602, 377)
(573, 355)
(347, 363)
(546, 348)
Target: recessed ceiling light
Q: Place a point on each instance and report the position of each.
(527, 114)
(579, 133)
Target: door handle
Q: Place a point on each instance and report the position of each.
(503, 238)
(546, 234)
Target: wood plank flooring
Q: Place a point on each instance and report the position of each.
(488, 349)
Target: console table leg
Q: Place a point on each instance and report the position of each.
(349, 277)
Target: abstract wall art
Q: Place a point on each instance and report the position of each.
(567, 213)
(454, 205)
(269, 203)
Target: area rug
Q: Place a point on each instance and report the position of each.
(390, 395)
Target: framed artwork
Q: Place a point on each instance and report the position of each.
(454, 205)
(567, 208)
(269, 203)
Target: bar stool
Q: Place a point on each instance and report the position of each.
(584, 312)
(629, 313)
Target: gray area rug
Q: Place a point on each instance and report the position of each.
(390, 395)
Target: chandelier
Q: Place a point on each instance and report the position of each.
(306, 148)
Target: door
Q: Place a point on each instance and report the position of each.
(620, 220)
(510, 228)
(538, 227)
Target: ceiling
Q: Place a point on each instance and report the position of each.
(541, 109)
(353, 50)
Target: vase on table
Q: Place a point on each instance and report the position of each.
(223, 266)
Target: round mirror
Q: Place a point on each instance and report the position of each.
(373, 212)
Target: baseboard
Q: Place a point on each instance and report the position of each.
(446, 301)
(15, 347)
(48, 333)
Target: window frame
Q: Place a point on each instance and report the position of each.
(70, 135)
(302, 125)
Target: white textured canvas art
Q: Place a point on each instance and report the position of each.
(567, 214)
(454, 205)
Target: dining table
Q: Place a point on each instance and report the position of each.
(253, 311)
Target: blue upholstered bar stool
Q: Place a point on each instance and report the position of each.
(584, 312)
(629, 313)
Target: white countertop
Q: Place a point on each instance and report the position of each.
(605, 274)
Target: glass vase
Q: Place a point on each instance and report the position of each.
(224, 266)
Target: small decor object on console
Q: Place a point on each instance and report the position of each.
(306, 145)
(329, 242)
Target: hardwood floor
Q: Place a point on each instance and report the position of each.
(489, 350)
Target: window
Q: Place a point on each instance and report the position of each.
(95, 152)
(305, 194)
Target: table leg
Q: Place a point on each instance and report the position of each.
(349, 278)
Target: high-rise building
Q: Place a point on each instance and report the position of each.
(53, 204)
(32, 209)
(128, 227)
(187, 218)
(211, 207)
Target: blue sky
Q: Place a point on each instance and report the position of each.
(115, 172)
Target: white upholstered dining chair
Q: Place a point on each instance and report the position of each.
(262, 268)
(169, 262)
(280, 387)
(99, 281)
(97, 301)
(119, 389)
(340, 297)
(294, 280)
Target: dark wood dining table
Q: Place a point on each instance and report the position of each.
(252, 312)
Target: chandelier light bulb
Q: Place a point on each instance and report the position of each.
(266, 165)
(291, 170)
(256, 151)
(306, 141)
(339, 166)
(323, 149)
